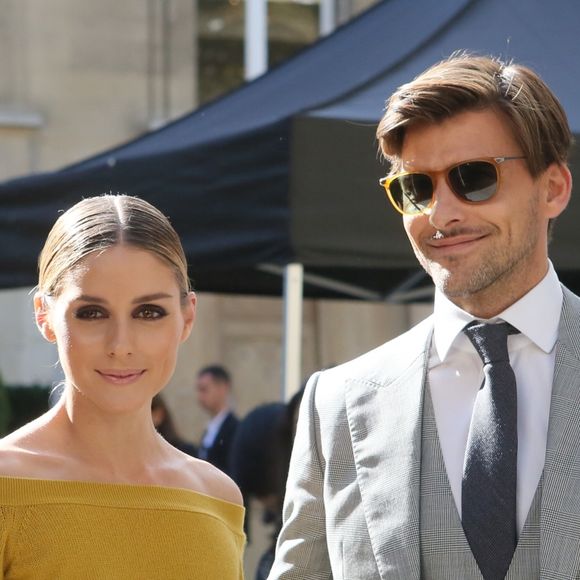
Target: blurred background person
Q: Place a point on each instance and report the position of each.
(259, 464)
(163, 421)
(214, 390)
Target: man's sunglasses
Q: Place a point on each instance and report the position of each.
(471, 181)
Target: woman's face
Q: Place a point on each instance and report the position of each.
(117, 322)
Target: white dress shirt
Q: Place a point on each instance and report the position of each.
(213, 428)
(456, 374)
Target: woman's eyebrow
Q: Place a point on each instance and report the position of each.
(151, 297)
(138, 300)
(88, 298)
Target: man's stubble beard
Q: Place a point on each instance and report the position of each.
(504, 263)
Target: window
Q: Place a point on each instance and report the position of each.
(292, 25)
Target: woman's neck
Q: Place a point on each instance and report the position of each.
(114, 447)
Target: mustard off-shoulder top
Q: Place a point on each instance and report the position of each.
(69, 530)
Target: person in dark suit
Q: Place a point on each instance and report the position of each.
(260, 458)
(214, 386)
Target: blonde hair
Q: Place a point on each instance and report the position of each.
(466, 82)
(98, 223)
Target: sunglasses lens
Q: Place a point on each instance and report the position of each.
(412, 193)
(474, 181)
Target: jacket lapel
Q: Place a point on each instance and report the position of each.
(560, 512)
(384, 415)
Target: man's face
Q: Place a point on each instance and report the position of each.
(482, 256)
(212, 395)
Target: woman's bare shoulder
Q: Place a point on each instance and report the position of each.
(23, 452)
(16, 460)
(209, 480)
(222, 486)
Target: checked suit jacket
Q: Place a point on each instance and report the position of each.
(352, 500)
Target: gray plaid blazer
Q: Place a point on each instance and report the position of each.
(352, 501)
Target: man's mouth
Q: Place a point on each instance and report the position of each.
(454, 238)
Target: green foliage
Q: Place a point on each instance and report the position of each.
(26, 403)
(5, 409)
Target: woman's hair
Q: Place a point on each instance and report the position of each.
(98, 223)
(166, 428)
(466, 82)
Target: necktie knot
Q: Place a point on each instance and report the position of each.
(490, 340)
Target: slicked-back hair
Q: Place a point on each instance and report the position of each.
(98, 223)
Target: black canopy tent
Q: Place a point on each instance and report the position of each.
(285, 168)
(224, 175)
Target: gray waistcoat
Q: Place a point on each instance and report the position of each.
(445, 553)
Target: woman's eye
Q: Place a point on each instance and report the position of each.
(150, 312)
(90, 313)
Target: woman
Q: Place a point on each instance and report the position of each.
(90, 489)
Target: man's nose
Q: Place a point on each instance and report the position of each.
(447, 209)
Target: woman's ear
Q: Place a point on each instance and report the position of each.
(42, 317)
(189, 315)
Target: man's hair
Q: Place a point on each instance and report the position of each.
(218, 372)
(466, 82)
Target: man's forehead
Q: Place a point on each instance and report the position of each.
(466, 135)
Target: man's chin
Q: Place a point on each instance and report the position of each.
(451, 284)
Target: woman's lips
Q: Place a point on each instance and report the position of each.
(124, 377)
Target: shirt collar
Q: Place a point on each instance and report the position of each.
(216, 422)
(536, 315)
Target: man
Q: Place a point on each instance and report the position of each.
(403, 467)
(214, 387)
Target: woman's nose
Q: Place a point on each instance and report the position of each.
(120, 340)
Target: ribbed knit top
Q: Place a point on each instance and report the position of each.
(69, 530)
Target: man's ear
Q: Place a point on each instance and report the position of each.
(42, 317)
(558, 183)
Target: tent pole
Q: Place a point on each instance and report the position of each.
(327, 17)
(255, 39)
(292, 354)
